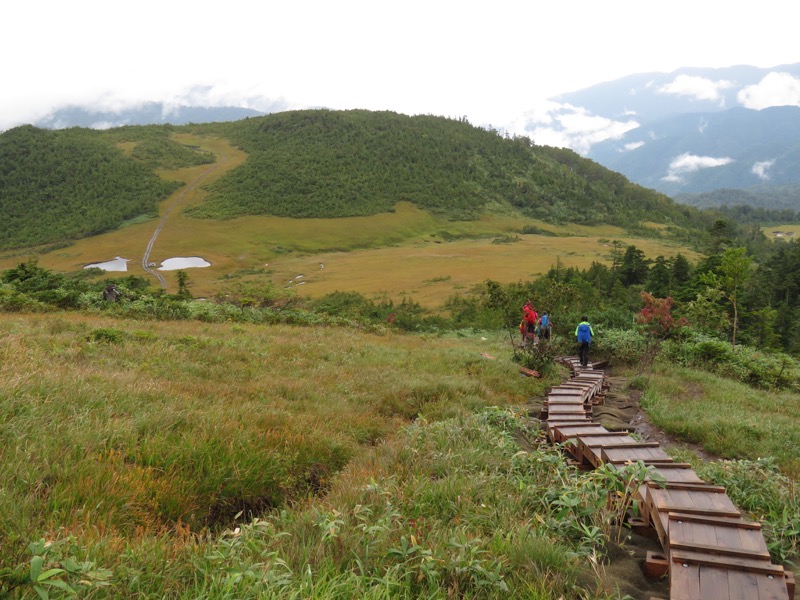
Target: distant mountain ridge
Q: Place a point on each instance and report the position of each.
(693, 130)
(652, 96)
(697, 130)
(700, 152)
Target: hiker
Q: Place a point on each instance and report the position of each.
(584, 335)
(545, 326)
(528, 325)
(111, 293)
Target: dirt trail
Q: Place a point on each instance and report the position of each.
(622, 411)
(213, 171)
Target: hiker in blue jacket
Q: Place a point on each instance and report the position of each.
(545, 326)
(584, 335)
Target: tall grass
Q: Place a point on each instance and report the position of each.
(729, 419)
(118, 430)
(185, 460)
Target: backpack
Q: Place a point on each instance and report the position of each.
(545, 321)
(584, 333)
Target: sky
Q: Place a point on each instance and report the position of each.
(490, 61)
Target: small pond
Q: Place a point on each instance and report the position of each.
(118, 264)
(172, 264)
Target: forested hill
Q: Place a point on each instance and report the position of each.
(342, 163)
(58, 186)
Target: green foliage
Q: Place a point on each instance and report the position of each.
(619, 346)
(54, 569)
(107, 335)
(163, 153)
(69, 184)
(539, 357)
(759, 368)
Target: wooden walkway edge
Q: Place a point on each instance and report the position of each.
(710, 551)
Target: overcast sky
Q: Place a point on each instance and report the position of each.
(490, 60)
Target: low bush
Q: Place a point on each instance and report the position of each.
(759, 368)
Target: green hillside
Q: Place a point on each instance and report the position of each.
(58, 186)
(334, 164)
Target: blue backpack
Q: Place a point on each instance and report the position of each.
(584, 333)
(545, 321)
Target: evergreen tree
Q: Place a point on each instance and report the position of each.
(659, 279)
(633, 269)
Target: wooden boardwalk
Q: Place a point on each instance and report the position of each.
(710, 551)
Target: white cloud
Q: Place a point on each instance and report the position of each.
(488, 61)
(776, 89)
(554, 124)
(633, 146)
(700, 88)
(689, 163)
(760, 168)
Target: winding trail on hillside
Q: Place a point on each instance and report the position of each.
(219, 165)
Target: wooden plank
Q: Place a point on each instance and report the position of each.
(713, 582)
(575, 427)
(565, 400)
(569, 406)
(565, 412)
(772, 588)
(603, 434)
(727, 562)
(701, 487)
(632, 444)
(568, 428)
(622, 455)
(756, 586)
(692, 502)
(564, 433)
(677, 472)
(684, 582)
(676, 516)
(529, 372)
(707, 511)
(730, 534)
(717, 550)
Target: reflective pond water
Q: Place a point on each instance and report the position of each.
(118, 264)
(171, 264)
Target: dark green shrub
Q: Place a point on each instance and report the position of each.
(107, 336)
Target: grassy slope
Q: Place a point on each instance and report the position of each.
(727, 418)
(157, 423)
(121, 440)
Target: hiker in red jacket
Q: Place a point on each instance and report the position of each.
(528, 325)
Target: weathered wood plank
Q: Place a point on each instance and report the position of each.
(728, 562)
